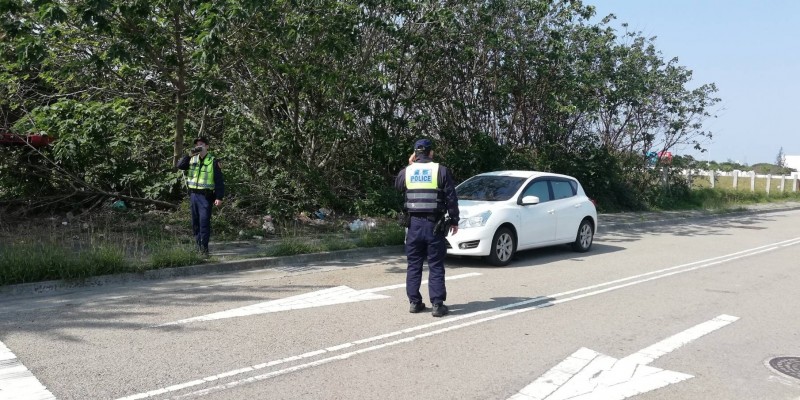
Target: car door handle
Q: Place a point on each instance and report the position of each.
(578, 205)
(551, 211)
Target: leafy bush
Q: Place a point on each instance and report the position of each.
(104, 144)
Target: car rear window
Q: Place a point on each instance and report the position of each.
(489, 188)
(563, 189)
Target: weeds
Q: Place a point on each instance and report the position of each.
(39, 262)
(166, 256)
(291, 247)
(336, 244)
(97, 244)
(385, 236)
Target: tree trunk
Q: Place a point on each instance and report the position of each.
(180, 85)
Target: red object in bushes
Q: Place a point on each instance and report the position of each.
(35, 140)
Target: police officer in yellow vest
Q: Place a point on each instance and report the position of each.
(429, 194)
(206, 187)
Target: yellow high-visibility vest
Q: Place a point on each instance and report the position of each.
(422, 188)
(201, 175)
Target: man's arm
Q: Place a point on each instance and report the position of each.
(219, 182)
(183, 163)
(450, 196)
(400, 181)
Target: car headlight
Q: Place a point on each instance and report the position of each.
(474, 221)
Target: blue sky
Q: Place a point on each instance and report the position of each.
(749, 49)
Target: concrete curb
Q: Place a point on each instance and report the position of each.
(202, 269)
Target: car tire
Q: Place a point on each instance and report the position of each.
(503, 247)
(584, 237)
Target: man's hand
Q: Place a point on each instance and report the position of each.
(453, 229)
(217, 202)
(412, 158)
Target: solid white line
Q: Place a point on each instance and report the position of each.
(725, 257)
(697, 265)
(16, 382)
(789, 244)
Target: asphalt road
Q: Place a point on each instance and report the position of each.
(693, 310)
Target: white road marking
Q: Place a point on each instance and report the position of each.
(535, 303)
(326, 297)
(16, 382)
(587, 374)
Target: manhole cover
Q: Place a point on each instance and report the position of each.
(786, 365)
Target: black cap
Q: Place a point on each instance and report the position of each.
(423, 145)
(201, 139)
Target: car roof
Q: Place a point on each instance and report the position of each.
(524, 174)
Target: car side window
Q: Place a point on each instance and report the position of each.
(562, 189)
(538, 189)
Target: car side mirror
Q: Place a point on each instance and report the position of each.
(530, 200)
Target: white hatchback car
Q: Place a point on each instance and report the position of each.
(506, 211)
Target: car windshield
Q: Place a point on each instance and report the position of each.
(489, 188)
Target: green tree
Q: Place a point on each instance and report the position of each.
(780, 159)
(316, 103)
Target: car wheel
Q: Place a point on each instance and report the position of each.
(503, 247)
(584, 238)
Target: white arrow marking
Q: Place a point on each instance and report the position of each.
(16, 382)
(326, 297)
(587, 374)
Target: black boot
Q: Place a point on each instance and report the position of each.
(416, 307)
(440, 310)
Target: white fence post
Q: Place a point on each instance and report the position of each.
(769, 182)
(793, 179)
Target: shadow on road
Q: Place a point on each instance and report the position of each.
(496, 302)
(523, 259)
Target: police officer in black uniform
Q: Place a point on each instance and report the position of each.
(429, 194)
(206, 187)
